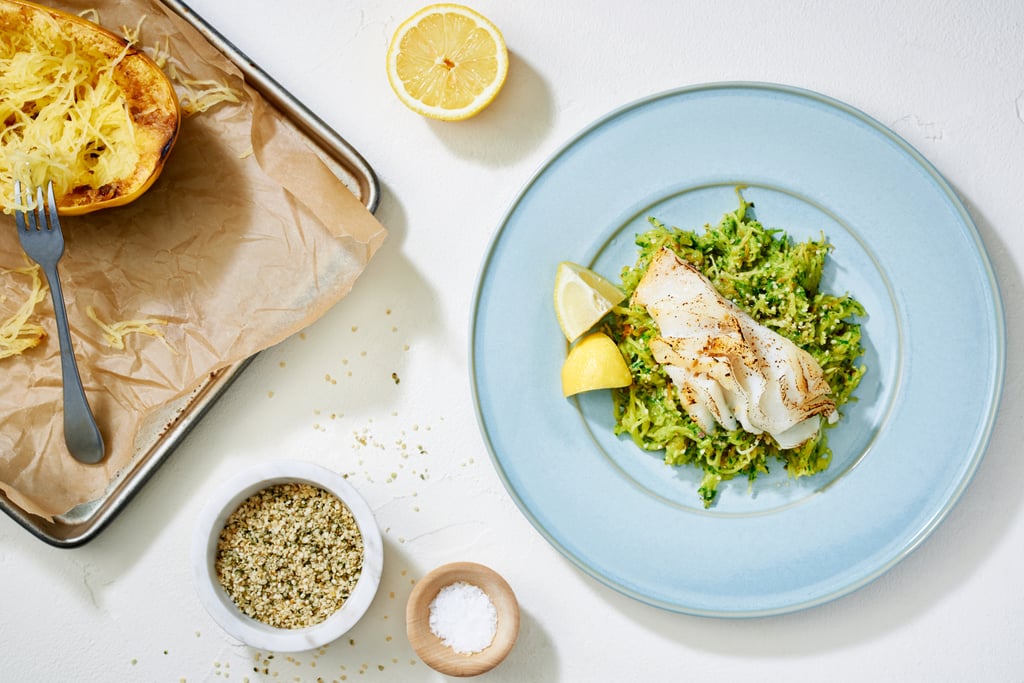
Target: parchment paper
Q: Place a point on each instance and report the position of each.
(246, 238)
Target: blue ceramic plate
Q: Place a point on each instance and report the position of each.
(904, 246)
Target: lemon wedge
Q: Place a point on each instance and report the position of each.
(447, 62)
(582, 297)
(594, 363)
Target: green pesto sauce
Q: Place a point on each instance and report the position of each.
(776, 282)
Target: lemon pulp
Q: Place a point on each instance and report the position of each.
(582, 297)
(447, 62)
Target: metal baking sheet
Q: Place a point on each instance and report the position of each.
(166, 431)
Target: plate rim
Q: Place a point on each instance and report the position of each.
(967, 222)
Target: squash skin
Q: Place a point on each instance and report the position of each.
(149, 94)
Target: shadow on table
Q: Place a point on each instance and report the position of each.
(533, 658)
(510, 127)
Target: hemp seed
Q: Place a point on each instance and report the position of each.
(290, 555)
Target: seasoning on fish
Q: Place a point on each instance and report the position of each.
(728, 368)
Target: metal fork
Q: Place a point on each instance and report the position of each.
(41, 238)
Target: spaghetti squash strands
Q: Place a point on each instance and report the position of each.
(774, 283)
(81, 108)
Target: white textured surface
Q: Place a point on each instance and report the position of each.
(947, 76)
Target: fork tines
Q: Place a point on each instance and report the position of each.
(26, 215)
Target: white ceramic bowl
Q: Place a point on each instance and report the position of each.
(219, 604)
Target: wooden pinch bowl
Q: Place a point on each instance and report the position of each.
(432, 649)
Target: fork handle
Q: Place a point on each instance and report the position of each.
(81, 433)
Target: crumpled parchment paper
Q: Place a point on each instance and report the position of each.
(246, 238)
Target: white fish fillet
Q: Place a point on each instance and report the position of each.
(727, 367)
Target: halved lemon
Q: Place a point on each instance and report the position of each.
(447, 62)
(594, 363)
(582, 297)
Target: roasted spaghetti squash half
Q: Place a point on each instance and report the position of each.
(80, 107)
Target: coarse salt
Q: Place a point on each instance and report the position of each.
(463, 617)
